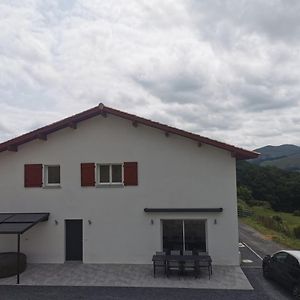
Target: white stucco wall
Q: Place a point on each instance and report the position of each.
(172, 172)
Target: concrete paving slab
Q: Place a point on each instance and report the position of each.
(118, 275)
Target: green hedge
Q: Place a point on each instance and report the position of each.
(297, 232)
(296, 213)
(260, 203)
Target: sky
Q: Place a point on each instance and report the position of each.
(228, 70)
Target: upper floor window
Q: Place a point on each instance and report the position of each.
(110, 173)
(51, 175)
(125, 174)
(39, 175)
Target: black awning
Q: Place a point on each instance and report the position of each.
(18, 223)
(220, 209)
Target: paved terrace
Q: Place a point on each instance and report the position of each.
(77, 274)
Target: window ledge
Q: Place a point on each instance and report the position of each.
(114, 185)
(52, 187)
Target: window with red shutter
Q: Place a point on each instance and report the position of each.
(130, 173)
(33, 175)
(52, 175)
(88, 174)
(110, 174)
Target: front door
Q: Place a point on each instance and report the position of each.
(74, 240)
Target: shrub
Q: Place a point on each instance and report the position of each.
(296, 213)
(277, 219)
(297, 232)
(244, 193)
(243, 209)
(274, 224)
(242, 203)
(260, 203)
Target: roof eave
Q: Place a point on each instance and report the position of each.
(42, 132)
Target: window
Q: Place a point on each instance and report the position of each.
(280, 257)
(194, 235)
(51, 175)
(110, 174)
(292, 261)
(184, 235)
(172, 235)
(125, 174)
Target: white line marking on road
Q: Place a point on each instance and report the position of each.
(247, 261)
(241, 245)
(253, 251)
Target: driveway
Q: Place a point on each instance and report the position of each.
(259, 243)
(253, 247)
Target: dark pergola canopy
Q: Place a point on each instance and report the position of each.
(18, 223)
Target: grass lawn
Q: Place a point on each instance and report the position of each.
(288, 219)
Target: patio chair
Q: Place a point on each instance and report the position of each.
(174, 265)
(190, 265)
(202, 253)
(159, 263)
(205, 263)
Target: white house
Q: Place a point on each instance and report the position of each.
(118, 188)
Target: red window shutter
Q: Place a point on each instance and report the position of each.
(87, 174)
(130, 173)
(33, 175)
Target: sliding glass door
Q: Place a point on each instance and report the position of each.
(194, 233)
(184, 235)
(172, 235)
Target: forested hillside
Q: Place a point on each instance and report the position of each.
(286, 157)
(278, 187)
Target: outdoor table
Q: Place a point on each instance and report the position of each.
(203, 260)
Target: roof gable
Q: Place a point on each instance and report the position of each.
(41, 133)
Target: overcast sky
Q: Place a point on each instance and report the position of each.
(228, 70)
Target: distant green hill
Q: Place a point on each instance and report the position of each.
(286, 157)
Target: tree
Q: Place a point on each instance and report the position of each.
(244, 193)
(279, 187)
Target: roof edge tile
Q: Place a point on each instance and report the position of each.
(237, 152)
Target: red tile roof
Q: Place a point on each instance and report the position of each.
(41, 133)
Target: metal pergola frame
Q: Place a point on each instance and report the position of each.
(18, 223)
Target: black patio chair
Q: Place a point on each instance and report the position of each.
(206, 262)
(190, 265)
(160, 263)
(174, 264)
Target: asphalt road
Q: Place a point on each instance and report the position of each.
(253, 247)
(250, 240)
(258, 242)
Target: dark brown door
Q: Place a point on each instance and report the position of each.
(74, 240)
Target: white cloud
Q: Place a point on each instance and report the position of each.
(225, 69)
